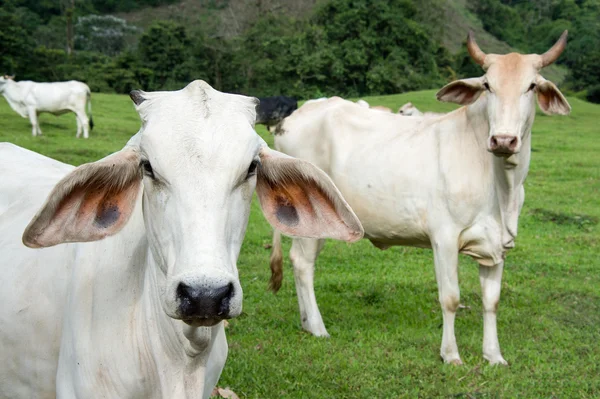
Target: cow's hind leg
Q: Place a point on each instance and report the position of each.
(445, 253)
(78, 134)
(491, 281)
(303, 254)
(83, 124)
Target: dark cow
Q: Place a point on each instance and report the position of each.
(272, 110)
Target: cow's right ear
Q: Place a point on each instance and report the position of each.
(92, 202)
(463, 92)
(299, 199)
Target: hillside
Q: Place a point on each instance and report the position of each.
(236, 16)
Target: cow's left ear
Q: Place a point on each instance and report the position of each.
(299, 199)
(92, 202)
(550, 99)
(463, 92)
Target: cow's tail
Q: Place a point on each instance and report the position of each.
(276, 263)
(89, 108)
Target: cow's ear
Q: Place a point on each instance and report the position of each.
(550, 99)
(92, 202)
(463, 92)
(299, 199)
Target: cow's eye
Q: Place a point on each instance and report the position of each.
(145, 164)
(487, 86)
(531, 87)
(252, 169)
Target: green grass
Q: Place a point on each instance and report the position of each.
(381, 307)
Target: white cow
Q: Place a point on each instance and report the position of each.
(137, 313)
(29, 99)
(453, 183)
(409, 109)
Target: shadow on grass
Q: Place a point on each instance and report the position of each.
(561, 218)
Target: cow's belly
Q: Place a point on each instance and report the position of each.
(34, 289)
(388, 216)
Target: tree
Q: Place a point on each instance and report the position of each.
(163, 48)
(102, 33)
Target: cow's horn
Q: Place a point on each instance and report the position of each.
(551, 55)
(476, 53)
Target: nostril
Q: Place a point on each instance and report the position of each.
(204, 302)
(513, 143)
(494, 142)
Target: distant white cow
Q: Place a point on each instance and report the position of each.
(138, 312)
(409, 109)
(453, 183)
(29, 99)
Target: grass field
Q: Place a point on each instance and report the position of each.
(381, 307)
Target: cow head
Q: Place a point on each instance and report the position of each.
(195, 163)
(511, 83)
(409, 109)
(4, 80)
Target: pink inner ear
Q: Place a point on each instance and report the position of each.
(551, 100)
(302, 209)
(88, 214)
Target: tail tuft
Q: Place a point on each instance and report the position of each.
(91, 123)
(276, 263)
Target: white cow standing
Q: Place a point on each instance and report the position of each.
(137, 313)
(29, 99)
(452, 183)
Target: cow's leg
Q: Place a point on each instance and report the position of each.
(491, 282)
(82, 119)
(303, 254)
(445, 254)
(33, 119)
(78, 134)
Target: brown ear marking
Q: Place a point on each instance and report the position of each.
(92, 202)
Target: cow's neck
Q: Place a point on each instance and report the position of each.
(508, 173)
(175, 346)
(15, 98)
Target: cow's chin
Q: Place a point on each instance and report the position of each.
(202, 322)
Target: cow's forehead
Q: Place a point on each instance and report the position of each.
(511, 68)
(195, 116)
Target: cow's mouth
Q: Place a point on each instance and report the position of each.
(503, 154)
(202, 321)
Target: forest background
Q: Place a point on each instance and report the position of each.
(306, 49)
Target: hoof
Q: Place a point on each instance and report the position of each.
(496, 360)
(455, 361)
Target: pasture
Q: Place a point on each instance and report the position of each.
(381, 307)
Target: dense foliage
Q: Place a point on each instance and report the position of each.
(344, 47)
(533, 25)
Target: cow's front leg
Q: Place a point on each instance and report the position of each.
(491, 282)
(33, 119)
(303, 254)
(445, 254)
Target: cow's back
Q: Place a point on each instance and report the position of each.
(57, 96)
(34, 281)
(397, 173)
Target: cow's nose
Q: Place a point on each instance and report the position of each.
(504, 144)
(204, 302)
